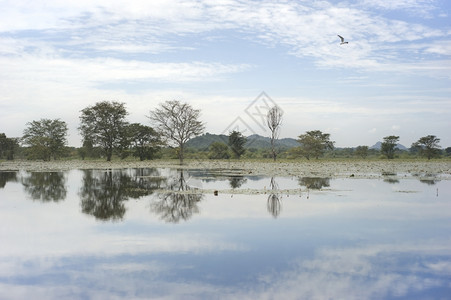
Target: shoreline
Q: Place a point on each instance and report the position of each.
(437, 169)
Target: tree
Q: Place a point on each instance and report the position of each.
(448, 151)
(8, 147)
(219, 150)
(236, 143)
(314, 143)
(274, 120)
(145, 140)
(104, 125)
(428, 146)
(361, 151)
(178, 123)
(388, 146)
(46, 138)
(88, 150)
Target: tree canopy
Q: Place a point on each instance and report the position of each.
(8, 146)
(145, 140)
(314, 143)
(428, 146)
(236, 143)
(388, 146)
(46, 138)
(361, 151)
(104, 125)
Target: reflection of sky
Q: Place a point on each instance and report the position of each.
(356, 239)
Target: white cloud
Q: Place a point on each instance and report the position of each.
(400, 4)
(439, 47)
(375, 271)
(309, 30)
(88, 51)
(91, 71)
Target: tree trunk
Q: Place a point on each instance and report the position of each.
(181, 154)
(274, 155)
(109, 153)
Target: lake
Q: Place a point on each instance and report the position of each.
(163, 233)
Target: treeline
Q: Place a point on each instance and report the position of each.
(315, 144)
(106, 133)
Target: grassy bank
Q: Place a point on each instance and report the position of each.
(374, 168)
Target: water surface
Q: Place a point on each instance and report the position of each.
(150, 233)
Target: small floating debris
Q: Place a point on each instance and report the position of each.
(215, 192)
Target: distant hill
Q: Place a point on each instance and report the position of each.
(256, 141)
(262, 142)
(202, 142)
(378, 146)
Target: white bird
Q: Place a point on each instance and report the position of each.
(342, 40)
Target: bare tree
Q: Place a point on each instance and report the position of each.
(178, 123)
(274, 121)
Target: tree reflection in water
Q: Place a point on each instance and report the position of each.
(176, 203)
(429, 181)
(45, 186)
(390, 177)
(6, 176)
(236, 181)
(274, 204)
(103, 192)
(314, 183)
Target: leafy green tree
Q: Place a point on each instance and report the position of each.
(46, 138)
(448, 151)
(178, 123)
(88, 150)
(428, 146)
(104, 125)
(388, 146)
(145, 140)
(314, 144)
(236, 143)
(218, 150)
(361, 151)
(8, 147)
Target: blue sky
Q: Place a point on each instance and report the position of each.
(393, 78)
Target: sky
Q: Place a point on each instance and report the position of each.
(233, 60)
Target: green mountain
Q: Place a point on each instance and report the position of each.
(202, 142)
(256, 141)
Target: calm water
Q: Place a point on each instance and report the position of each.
(99, 234)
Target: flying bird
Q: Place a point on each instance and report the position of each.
(342, 40)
